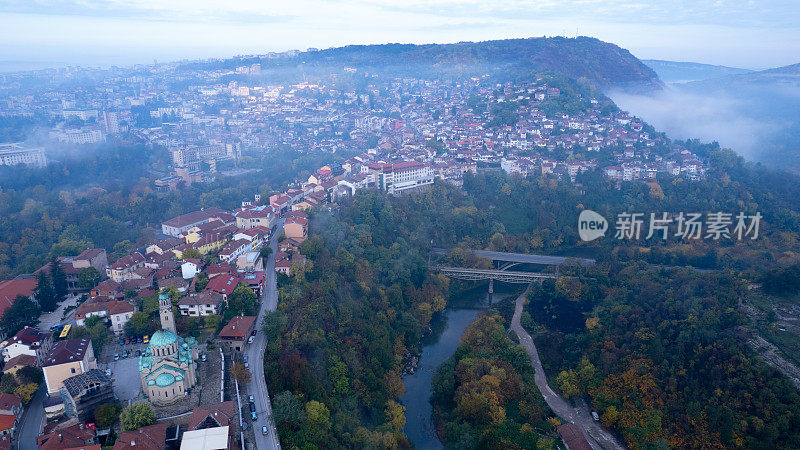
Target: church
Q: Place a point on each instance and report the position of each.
(167, 367)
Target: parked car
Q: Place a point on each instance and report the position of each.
(116, 356)
(127, 340)
(146, 339)
(264, 430)
(139, 340)
(246, 365)
(138, 353)
(244, 358)
(122, 341)
(595, 416)
(125, 354)
(252, 407)
(203, 357)
(108, 372)
(251, 339)
(251, 398)
(254, 416)
(254, 333)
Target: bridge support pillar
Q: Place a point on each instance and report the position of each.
(491, 290)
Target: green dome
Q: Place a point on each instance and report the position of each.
(165, 379)
(163, 338)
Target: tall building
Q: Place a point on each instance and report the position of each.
(397, 177)
(15, 153)
(167, 317)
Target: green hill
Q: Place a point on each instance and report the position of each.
(607, 65)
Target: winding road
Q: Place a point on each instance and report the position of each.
(255, 351)
(597, 436)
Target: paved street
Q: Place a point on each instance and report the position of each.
(32, 421)
(597, 436)
(255, 354)
(47, 320)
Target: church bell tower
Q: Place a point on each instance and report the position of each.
(165, 311)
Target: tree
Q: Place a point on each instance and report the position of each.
(273, 323)
(265, 251)
(200, 282)
(88, 277)
(93, 328)
(137, 416)
(288, 410)
(240, 373)
(30, 374)
(191, 253)
(8, 383)
(138, 325)
(45, 294)
(396, 415)
(24, 312)
(26, 392)
(107, 414)
(318, 421)
(243, 301)
(59, 279)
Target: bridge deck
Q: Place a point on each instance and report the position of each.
(523, 257)
(508, 276)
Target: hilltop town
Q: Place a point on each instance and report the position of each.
(210, 118)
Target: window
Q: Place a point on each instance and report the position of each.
(72, 369)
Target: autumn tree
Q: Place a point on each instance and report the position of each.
(137, 416)
(240, 373)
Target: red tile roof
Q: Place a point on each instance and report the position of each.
(238, 328)
(151, 437)
(10, 289)
(89, 253)
(7, 421)
(21, 360)
(68, 350)
(9, 401)
(224, 284)
(28, 336)
(69, 437)
(572, 437)
(194, 217)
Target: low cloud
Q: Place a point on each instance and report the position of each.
(713, 117)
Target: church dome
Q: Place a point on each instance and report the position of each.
(163, 338)
(165, 379)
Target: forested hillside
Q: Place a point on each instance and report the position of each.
(663, 357)
(104, 198)
(605, 64)
(661, 353)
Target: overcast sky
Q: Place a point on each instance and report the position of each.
(742, 33)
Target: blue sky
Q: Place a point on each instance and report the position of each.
(743, 33)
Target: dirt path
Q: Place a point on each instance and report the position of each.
(597, 436)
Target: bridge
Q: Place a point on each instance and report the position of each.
(508, 276)
(523, 258)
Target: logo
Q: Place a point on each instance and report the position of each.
(591, 225)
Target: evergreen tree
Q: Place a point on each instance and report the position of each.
(45, 294)
(59, 279)
(23, 312)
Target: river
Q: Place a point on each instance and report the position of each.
(438, 345)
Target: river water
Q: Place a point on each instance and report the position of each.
(447, 327)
